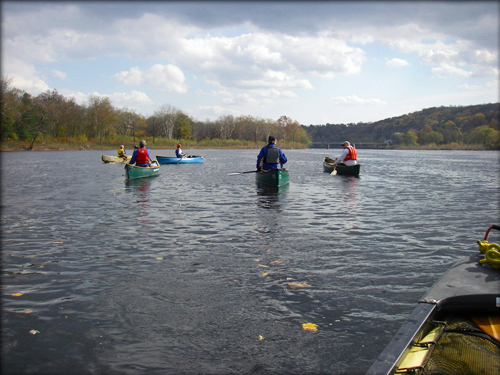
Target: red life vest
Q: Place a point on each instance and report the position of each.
(352, 155)
(142, 156)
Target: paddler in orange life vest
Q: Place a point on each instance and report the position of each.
(141, 156)
(349, 155)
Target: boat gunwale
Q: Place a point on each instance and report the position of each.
(442, 298)
(261, 177)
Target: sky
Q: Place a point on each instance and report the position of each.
(314, 62)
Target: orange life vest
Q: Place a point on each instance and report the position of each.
(352, 155)
(142, 156)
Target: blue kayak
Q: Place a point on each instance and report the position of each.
(191, 159)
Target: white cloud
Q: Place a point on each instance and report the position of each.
(208, 108)
(166, 77)
(272, 78)
(59, 74)
(24, 76)
(133, 98)
(356, 100)
(396, 63)
(447, 70)
(468, 87)
(131, 77)
(79, 97)
(493, 84)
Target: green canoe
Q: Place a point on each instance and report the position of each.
(133, 172)
(274, 177)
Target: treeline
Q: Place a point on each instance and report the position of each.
(470, 125)
(51, 115)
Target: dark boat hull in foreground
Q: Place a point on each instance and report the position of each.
(343, 170)
(455, 327)
(274, 177)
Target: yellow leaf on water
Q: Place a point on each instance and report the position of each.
(57, 242)
(261, 337)
(310, 327)
(263, 266)
(276, 261)
(204, 237)
(298, 285)
(28, 312)
(159, 258)
(34, 331)
(17, 295)
(264, 274)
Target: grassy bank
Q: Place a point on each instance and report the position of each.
(159, 144)
(165, 144)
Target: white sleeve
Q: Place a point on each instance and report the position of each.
(342, 156)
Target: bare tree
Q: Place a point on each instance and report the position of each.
(167, 114)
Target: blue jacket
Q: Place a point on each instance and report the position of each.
(263, 153)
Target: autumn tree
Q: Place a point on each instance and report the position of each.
(182, 127)
(101, 117)
(10, 107)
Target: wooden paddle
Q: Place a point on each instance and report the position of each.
(334, 172)
(231, 174)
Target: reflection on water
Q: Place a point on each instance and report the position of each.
(184, 272)
(269, 197)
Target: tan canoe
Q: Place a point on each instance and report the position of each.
(114, 159)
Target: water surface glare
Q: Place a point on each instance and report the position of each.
(189, 272)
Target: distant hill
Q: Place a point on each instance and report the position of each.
(475, 124)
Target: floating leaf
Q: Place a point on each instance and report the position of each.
(263, 266)
(264, 274)
(34, 331)
(310, 327)
(16, 295)
(159, 258)
(28, 312)
(298, 285)
(57, 242)
(261, 337)
(276, 261)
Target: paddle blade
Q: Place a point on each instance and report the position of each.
(334, 172)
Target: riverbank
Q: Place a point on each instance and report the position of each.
(159, 144)
(163, 144)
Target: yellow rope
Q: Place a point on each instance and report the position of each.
(491, 253)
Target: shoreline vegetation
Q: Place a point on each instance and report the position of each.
(51, 121)
(165, 144)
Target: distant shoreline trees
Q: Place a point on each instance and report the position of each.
(51, 115)
(469, 125)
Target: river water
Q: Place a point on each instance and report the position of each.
(193, 271)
